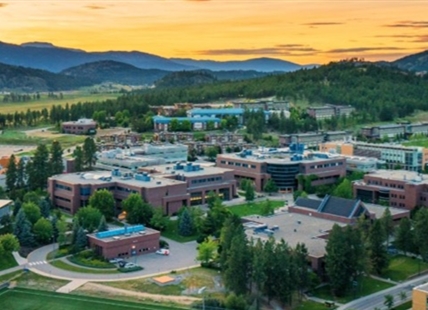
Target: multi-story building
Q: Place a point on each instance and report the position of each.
(416, 128)
(161, 123)
(308, 138)
(394, 156)
(396, 188)
(329, 110)
(283, 170)
(82, 126)
(221, 113)
(420, 297)
(343, 148)
(378, 132)
(168, 186)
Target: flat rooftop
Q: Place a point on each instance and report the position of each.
(422, 287)
(5, 202)
(277, 158)
(309, 231)
(144, 232)
(401, 175)
(378, 210)
(99, 177)
(205, 170)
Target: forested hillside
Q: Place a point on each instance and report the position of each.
(378, 92)
(17, 78)
(185, 79)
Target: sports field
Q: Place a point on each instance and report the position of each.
(26, 299)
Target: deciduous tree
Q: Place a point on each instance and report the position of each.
(103, 200)
(43, 231)
(89, 218)
(32, 212)
(207, 250)
(137, 211)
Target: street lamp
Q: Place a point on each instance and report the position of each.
(134, 253)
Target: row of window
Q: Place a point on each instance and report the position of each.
(237, 164)
(63, 187)
(398, 196)
(392, 185)
(213, 179)
(327, 165)
(395, 204)
(62, 198)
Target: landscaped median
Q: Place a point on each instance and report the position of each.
(63, 265)
(256, 208)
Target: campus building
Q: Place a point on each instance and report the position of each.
(125, 242)
(313, 139)
(392, 130)
(162, 123)
(83, 126)
(283, 169)
(167, 186)
(310, 221)
(221, 113)
(420, 297)
(329, 110)
(5, 207)
(396, 188)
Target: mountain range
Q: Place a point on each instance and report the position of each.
(46, 56)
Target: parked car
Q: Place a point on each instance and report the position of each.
(162, 252)
(130, 265)
(122, 263)
(116, 260)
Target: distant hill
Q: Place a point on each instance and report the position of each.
(256, 64)
(115, 72)
(416, 62)
(16, 78)
(40, 55)
(186, 79)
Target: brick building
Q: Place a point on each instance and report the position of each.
(282, 169)
(82, 126)
(125, 242)
(396, 188)
(169, 186)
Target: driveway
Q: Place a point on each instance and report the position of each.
(182, 256)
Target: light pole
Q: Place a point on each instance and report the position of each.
(133, 253)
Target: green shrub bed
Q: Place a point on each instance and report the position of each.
(89, 259)
(125, 270)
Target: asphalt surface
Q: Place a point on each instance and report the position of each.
(376, 300)
(182, 256)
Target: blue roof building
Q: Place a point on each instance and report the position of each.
(161, 122)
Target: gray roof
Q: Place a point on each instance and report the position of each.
(308, 203)
(339, 206)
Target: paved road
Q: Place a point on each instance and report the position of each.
(182, 257)
(376, 300)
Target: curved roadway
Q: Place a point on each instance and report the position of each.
(182, 257)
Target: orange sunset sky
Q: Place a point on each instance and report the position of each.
(300, 31)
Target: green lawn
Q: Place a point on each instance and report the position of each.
(401, 267)
(311, 305)
(253, 208)
(9, 276)
(63, 265)
(418, 142)
(7, 261)
(24, 299)
(405, 306)
(367, 286)
(32, 280)
(15, 137)
(171, 232)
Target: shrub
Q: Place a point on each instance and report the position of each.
(136, 268)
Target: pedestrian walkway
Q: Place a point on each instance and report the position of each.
(42, 262)
(71, 286)
(322, 301)
(384, 280)
(20, 260)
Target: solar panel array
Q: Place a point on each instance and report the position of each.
(120, 231)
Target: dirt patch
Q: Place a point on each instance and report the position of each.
(112, 291)
(7, 150)
(111, 131)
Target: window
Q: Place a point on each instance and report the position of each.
(85, 191)
(61, 186)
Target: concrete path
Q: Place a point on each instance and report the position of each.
(182, 257)
(322, 301)
(384, 280)
(71, 286)
(6, 271)
(19, 259)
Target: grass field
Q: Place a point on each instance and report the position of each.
(7, 261)
(253, 208)
(32, 280)
(402, 267)
(366, 287)
(15, 137)
(171, 232)
(26, 299)
(63, 265)
(45, 102)
(417, 142)
(405, 306)
(193, 278)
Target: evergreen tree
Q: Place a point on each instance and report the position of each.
(39, 168)
(76, 227)
(11, 174)
(249, 192)
(377, 250)
(16, 206)
(185, 225)
(81, 240)
(89, 152)
(45, 208)
(344, 189)
(103, 224)
(300, 256)
(232, 226)
(55, 232)
(387, 224)
(404, 236)
(211, 199)
(236, 276)
(57, 166)
(22, 229)
(421, 232)
(20, 174)
(78, 159)
(270, 187)
(103, 200)
(62, 230)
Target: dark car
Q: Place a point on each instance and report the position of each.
(122, 263)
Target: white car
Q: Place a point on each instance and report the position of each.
(162, 252)
(116, 260)
(130, 265)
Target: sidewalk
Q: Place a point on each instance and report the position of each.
(384, 280)
(71, 286)
(20, 260)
